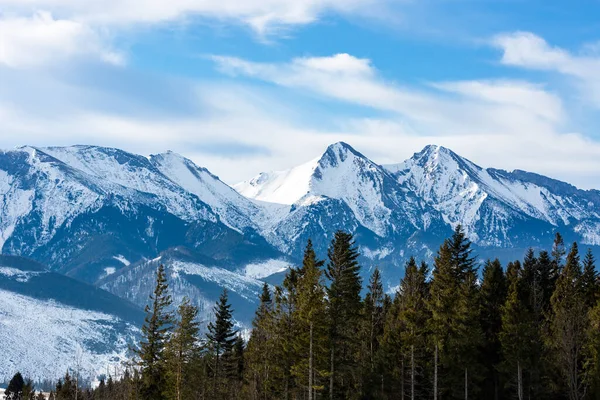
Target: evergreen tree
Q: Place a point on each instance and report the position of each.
(568, 326)
(344, 314)
(286, 330)
(14, 390)
(442, 300)
(373, 321)
(221, 336)
(259, 353)
(456, 331)
(155, 332)
(181, 350)
(414, 314)
(592, 353)
(589, 280)
(558, 254)
(493, 298)
(311, 342)
(516, 334)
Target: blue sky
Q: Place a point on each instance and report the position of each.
(242, 87)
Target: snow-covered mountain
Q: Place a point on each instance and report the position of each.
(109, 218)
(497, 207)
(50, 323)
(86, 210)
(343, 189)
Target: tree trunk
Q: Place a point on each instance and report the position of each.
(310, 365)
(412, 372)
(435, 374)
(331, 371)
(519, 381)
(402, 381)
(466, 384)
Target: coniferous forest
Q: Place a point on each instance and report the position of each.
(453, 330)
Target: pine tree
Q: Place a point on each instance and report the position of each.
(259, 352)
(442, 300)
(516, 334)
(558, 254)
(589, 280)
(221, 337)
(568, 325)
(414, 314)
(373, 321)
(155, 332)
(181, 349)
(493, 297)
(286, 329)
(592, 354)
(456, 332)
(311, 314)
(344, 314)
(14, 390)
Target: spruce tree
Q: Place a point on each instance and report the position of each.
(589, 280)
(14, 390)
(568, 326)
(371, 332)
(442, 300)
(155, 332)
(516, 334)
(456, 331)
(310, 344)
(259, 352)
(221, 337)
(493, 298)
(181, 349)
(592, 354)
(344, 314)
(414, 314)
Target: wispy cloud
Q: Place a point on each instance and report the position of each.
(527, 50)
(41, 40)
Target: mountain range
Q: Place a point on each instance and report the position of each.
(106, 218)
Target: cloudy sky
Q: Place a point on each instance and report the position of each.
(246, 86)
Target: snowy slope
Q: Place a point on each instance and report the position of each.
(235, 210)
(198, 278)
(342, 174)
(84, 209)
(54, 337)
(487, 200)
(49, 323)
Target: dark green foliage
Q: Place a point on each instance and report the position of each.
(493, 297)
(344, 314)
(221, 337)
(532, 332)
(157, 325)
(14, 391)
(589, 280)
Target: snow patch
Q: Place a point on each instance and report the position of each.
(121, 259)
(265, 269)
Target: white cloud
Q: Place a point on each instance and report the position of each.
(527, 50)
(41, 40)
(261, 15)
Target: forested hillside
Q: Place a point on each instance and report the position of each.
(451, 331)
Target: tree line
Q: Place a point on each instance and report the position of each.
(527, 331)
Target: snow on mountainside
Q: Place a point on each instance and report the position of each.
(488, 202)
(345, 175)
(196, 277)
(50, 323)
(235, 210)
